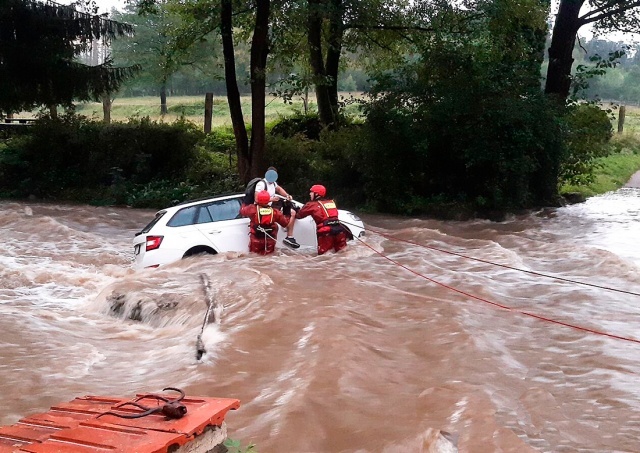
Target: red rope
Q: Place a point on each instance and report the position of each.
(593, 285)
(532, 315)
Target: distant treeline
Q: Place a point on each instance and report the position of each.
(187, 82)
(621, 81)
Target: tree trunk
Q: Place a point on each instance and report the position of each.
(233, 93)
(163, 99)
(325, 73)
(305, 101)
(53, 111)
(106, 107)
(336, 31)
(563, 41)
(259, 52)
(314, 38)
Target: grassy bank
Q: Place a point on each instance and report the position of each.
(615, 170)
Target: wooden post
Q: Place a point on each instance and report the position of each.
(621, 115)
(106, 107)
(208, 112)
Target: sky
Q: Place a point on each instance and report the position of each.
(105, 6)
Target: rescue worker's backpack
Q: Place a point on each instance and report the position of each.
(249, 192)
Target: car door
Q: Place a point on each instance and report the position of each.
(220, 222)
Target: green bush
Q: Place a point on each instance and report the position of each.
(73, 157)
(347, 84)
(213, 173)
(160, 194)
(192, 109)
(459, 123)
(57, 154)
(146, 150)
(220, 140)
(12, 166)
(588, 130)
(293, 157)
(340, 154)
(308, 126)
(214, 167)
(332, 160)
(625, 144)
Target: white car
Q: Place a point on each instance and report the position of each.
(213, 225)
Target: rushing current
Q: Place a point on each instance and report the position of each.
(425, 325)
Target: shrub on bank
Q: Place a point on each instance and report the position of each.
(613, 171)
(587, 134)
(333, 159)
(393, 163)
(147, 150)
(139, 163)
(214, 167)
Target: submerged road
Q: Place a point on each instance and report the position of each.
(634, 182)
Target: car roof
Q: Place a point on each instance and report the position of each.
(198, 201)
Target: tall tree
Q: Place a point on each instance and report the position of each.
(158, 45)
(325, 60)
(206, 16)
(39, 43)
(258, 69)
(333, 27)
(233, 92)
(606, 15)
(380, 29)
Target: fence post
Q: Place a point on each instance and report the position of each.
(621, 115)
(208, 111)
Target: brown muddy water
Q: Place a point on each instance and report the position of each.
(369, 350)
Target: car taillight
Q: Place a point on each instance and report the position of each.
(153, 242)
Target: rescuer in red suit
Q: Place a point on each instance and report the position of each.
(330, 232)
(263, 224)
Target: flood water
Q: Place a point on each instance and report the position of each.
(368, 350)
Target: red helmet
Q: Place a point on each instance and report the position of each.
(319, 190)
(263, 197)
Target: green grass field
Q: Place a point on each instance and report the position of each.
(631, 121)
(192, 108)
(189, 107)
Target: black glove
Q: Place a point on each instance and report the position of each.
(286, 208)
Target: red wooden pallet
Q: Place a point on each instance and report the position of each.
(73, 427)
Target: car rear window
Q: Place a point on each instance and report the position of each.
(183, 217)
(152, 223)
